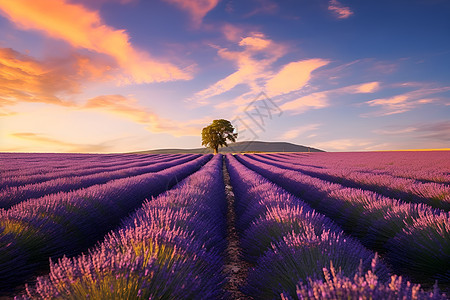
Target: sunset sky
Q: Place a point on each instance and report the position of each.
(129, 75)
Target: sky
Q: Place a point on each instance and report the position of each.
(104, 76)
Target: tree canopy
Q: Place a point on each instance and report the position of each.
(216, 134)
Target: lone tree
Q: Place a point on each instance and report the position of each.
(216, 134)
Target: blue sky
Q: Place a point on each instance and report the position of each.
(129, 75)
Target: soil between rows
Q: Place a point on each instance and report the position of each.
(236, 268)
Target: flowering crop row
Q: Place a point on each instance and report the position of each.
(410, 190)
(48, 162)
(292, 246)
(13, 195)
(82, 168)
(426, 166)
(67, 223)
(414, 238)
(171, 248)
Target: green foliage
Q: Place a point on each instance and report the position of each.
(217, 134)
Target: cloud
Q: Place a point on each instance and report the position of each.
(321, 99)
(83, 28)
(253, 64)
(435, 130)
(293, 76)
(263, 7)
(25, 79)
(346, 145)
(407, 101)
(395, 131)
(341, 11)
(305, 103)
(42, 140)
(232, 33)
(291, 134)
(128, 108)
(362, 88)
(197, 9)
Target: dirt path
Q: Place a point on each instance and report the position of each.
(235, 267)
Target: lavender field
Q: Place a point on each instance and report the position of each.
(368, 225)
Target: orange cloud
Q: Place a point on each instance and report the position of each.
(305, 103)
(129, 109)
(293, 76)
(40, 140)
(24, 79)
(340, 10)
(83, 28)
(363, 88)
(256, 42)
(197, 9)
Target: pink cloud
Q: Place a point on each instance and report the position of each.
(263, 7)
(197, 9)
(341, 11)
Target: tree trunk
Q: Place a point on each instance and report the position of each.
(216, 150)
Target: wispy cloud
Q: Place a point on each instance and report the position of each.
(435, 130)
(59, 145)
(305, 103)
(253, 63)
(364, 88)
(321, 99)
(232, 32)
(197, 9)
(341, 11)
(128, 108)
(407, 101)
(346, 145)
(263, 7)
(84, 28)
(394, 131)
(293, 133)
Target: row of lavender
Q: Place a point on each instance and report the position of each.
(426, 166)
(66, 223)
(87, 166)
(171, 248)
(413, 238)
(292, 246)
(12, 195)
(49, 162)
(407, 189)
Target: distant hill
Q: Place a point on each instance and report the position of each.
(252, 146)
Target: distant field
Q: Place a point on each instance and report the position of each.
(140, 226)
